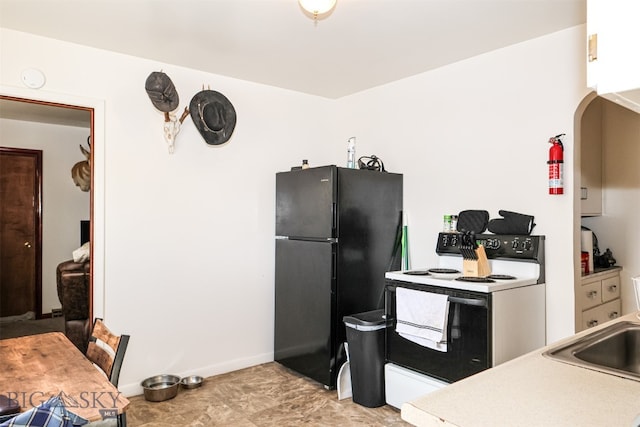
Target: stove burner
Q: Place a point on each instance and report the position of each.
(443, 271)
(416, 273)
(475, 279)
(501, 277)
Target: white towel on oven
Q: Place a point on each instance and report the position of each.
(422, 317)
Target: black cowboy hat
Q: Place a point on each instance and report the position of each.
(161, 91)
(213, 115)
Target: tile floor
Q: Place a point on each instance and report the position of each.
(264, 395)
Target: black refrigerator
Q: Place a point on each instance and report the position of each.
(337, 233)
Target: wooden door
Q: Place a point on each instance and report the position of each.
(20, 231)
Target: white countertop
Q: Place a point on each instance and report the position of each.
(599, 272)
(531, 390)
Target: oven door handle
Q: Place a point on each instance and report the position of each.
(469, 301)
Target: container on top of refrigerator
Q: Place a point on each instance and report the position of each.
(351, 153)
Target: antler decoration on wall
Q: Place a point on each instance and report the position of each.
(172, 127)
(81, 171)
(164, 97)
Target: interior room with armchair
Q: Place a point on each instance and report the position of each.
(64, 217)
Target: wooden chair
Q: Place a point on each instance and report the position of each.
(106, 350)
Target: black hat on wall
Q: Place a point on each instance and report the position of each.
(162, 92)
(214, 116)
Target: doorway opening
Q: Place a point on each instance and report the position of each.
(57, 118)
(607, 196)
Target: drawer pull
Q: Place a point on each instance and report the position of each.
(592, 323)
(613, 315)
(613, 288)
(592, 294)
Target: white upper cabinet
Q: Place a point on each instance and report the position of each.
(613, 50)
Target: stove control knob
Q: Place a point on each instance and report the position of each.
(514, 245)
(527, 245)
(493, 244)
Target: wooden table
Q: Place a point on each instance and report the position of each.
(37, 367)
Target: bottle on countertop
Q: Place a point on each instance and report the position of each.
(305, 164)
(351, 152)
(584, 263)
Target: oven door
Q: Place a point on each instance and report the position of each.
(469, 340)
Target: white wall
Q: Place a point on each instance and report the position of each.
(618, 227)
(474, 135)
(188, 237)
(188, 247)
(64, 205)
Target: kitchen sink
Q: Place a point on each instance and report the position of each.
(613, 350)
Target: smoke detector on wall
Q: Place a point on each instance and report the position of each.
(33, 78)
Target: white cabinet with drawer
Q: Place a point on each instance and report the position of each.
(599, 298)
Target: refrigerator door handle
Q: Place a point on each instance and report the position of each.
(334, 264)
(334, 218)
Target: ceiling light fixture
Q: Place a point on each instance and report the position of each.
(317, 7)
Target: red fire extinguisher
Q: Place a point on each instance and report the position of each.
(556, 165)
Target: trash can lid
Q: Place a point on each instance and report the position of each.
(368, 318)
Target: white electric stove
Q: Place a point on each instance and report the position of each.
(494, 318)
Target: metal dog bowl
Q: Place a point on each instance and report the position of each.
(192, 381)
(160, 387)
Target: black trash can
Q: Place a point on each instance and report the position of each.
(365, 336)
